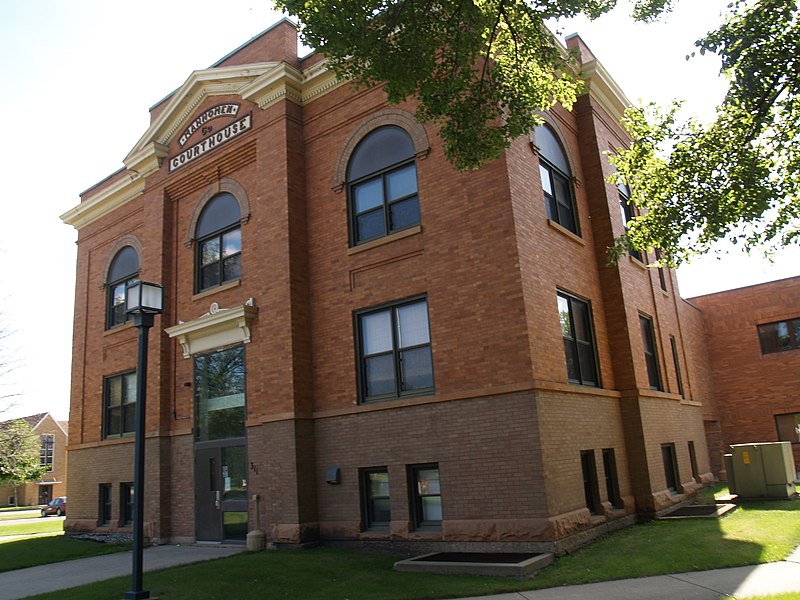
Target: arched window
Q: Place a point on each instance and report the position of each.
(382, 184)
(123, 272)
(555, 173)
(219, 242)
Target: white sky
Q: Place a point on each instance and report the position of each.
(80, 76)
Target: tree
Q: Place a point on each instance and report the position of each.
(481, 69)
(736, 178)
(484, 69)
(19, 453)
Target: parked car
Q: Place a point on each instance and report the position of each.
(57, 506)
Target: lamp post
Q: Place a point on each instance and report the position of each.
(143, 301)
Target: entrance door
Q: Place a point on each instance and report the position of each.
(220, 493)
(45, 494)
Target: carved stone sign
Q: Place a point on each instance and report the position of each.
(220, 110)
(217, 138)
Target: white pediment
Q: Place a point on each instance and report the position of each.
(217, 328)
(261, 83)
(219, 81)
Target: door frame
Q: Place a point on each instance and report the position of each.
(209, 505)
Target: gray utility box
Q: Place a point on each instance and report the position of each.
(764, 470)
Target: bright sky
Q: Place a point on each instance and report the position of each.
(79, 77)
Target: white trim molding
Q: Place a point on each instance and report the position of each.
(217, 328)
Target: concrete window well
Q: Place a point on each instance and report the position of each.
(491, 564)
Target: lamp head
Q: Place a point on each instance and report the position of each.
(143, 297)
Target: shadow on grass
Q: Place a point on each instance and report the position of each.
(23, 553)
(760, 531)
(654, 548)
(320, 573)
(757, 532)
(326, 573)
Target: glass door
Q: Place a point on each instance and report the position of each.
(45, 494)
(221, 493)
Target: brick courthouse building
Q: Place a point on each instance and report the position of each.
(379, 347)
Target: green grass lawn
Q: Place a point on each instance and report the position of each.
(322, 573)
(7, 514)
(759, 531)
(34, 526)
(19, 554)
(16, 553)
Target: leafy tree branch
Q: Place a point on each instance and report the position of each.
(19, 453)
(735, 178)
(485, 70)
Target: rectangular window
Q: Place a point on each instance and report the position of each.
(125, 504)
(662, 278)
(219, 392)
(558, 196)
(426, 498)
(779, 336)
(577, 331)
(693, 462)
(48, 441)
(670, 467)
(105, 503)
(394, 351)
(375, 498)
(590, 489)
(626, 209)
(788, 427)
(674, 345)
(650, 355)
(117, 295)
(612, 481)
(119, 405)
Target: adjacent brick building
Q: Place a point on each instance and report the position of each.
(52, 436)
(361, 344)
(753, 337)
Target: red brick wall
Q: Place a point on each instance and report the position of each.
(751, 387)
(503, 423)
(459, 259)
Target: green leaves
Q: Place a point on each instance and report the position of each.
(481, 69)
(737, 177)
(19, 453)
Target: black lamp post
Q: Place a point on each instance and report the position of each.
(143, 301)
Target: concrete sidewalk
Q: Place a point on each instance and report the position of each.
(72, 573)
(741, 582)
